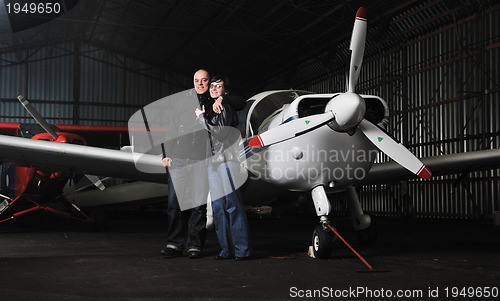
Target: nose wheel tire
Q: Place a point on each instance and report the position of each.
(322, 241)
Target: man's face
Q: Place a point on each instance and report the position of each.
(201, 81)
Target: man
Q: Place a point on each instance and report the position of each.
(185, 156)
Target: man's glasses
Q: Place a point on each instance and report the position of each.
(218, 86)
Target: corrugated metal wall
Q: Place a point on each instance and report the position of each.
(77, 83)
(443, 90)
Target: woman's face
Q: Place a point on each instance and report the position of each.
(217, 89)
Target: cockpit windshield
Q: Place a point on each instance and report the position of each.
(268, 105)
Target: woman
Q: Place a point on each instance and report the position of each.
(230, 219)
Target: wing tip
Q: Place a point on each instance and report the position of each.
(424, 172)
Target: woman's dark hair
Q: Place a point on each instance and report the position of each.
(227, 86)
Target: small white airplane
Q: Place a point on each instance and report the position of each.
(296, 141)
(326, 141)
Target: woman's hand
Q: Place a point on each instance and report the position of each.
(217, 106)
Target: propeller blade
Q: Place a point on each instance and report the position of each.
(39, 119)
(357, 47)
(43, 123)
(96, 181)
(290, 129)
(394, 150)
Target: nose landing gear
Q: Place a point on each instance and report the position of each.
(322, 238)
(325, 234)
(322, 241)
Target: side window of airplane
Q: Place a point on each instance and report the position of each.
(265, 124)
(263, 109)
(269, 105)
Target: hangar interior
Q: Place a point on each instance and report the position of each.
(436, 63)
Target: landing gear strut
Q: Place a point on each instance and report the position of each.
(362, 223)
(322, 238)
(325, 234)
(70, 211)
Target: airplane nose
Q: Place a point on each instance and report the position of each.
(348, 108)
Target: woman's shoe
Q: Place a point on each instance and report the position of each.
(241, 258)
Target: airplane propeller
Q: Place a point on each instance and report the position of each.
(38, 118)
(46, 126)
(348, 111)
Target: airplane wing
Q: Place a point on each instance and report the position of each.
(115, 163)
(67, 157)
(458, 163)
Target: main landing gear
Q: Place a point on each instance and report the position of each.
(363, 224)
(324, 234)
(95, 219)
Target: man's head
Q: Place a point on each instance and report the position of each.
(201, 81)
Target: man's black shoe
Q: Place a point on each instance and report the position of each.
(221, 257)
(194, 254)
(170, 253)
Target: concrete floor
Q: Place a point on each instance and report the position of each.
(60, 260)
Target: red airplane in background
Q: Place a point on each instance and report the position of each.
(27, 190)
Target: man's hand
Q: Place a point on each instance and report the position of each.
(167, 161)
(198, 112)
